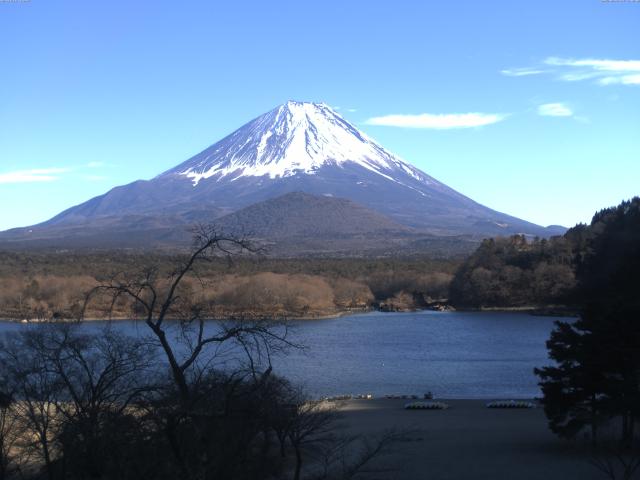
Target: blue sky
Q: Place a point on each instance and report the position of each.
(531, 108)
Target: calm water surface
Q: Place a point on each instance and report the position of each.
(452, 354)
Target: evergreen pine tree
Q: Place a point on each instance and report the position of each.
(597, 375)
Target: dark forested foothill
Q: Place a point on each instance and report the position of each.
(519, 272)
(596, 383)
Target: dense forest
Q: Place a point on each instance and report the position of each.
(53, 285)
(516, 272)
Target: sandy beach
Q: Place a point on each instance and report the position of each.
(468, 441)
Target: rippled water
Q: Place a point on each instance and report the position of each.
(452, 354)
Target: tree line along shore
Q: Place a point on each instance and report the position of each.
(54, 285)
(511, 273)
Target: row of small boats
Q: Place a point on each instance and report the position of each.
(495, 404)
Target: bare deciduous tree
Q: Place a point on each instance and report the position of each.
(617, 462)
(159, 299)
(10, 432)
(25, 375)
(311, 426)
(69, 388)
(218, 369)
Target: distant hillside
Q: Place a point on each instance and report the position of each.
(300, 224)
(127, 232)
(301, 214)
(294, 224)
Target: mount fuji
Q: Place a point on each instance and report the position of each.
(296, 147)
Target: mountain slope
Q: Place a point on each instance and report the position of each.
(298, 223)
(294, 224)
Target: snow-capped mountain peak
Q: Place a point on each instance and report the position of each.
(277, 172)
(294, 138)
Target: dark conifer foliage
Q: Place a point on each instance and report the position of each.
(597, 377)
(516, 272)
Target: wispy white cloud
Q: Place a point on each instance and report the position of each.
(53, 173)
(442, 121)
(350, 110)
(621, 79)
(521, 72)
(601, 70)
(554, 110)
(32, 175)
(597, 64)
(578, 76)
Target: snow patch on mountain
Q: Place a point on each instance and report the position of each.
(295, 138)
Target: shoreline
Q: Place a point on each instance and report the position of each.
(212, 318)
(402, 399)
(550, 311)
(545, 311)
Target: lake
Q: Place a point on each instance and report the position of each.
(452, 354)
